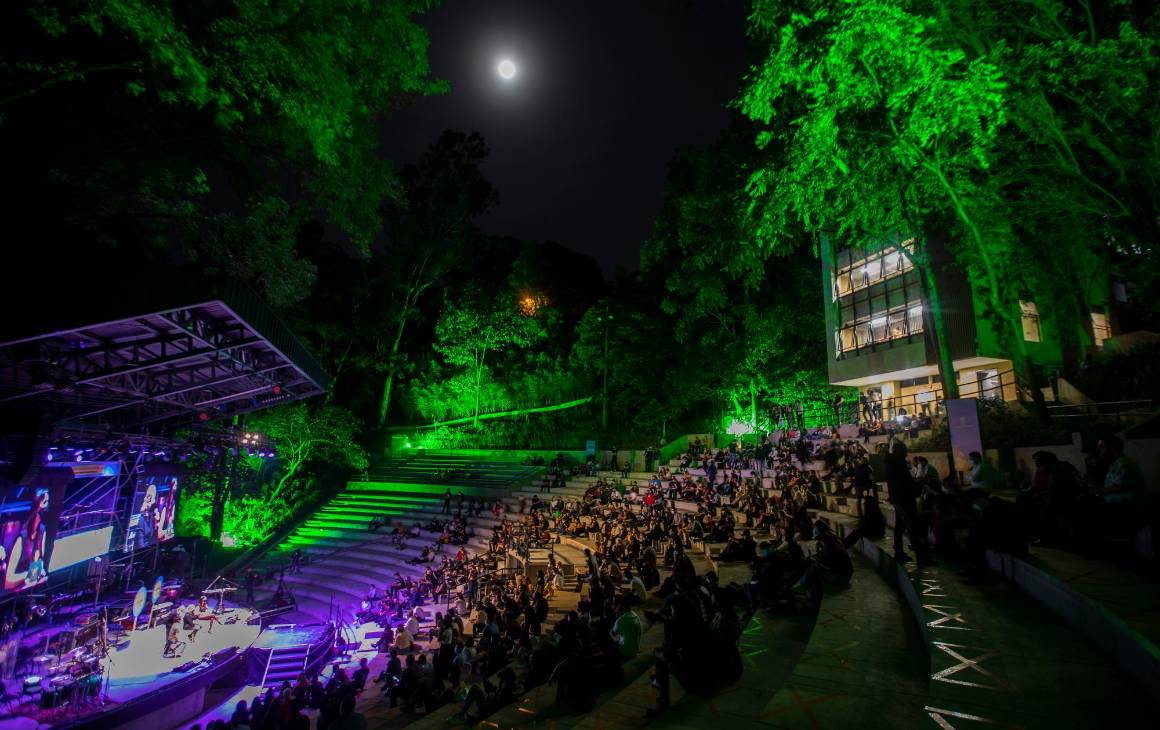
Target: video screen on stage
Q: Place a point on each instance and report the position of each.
(154, 510)
(27, 529)
(78, 547)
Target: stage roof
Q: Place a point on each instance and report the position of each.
(222, 355)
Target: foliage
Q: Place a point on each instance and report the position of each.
(304, 434)
(748, 323)
(476, 328)
(1120, 376)
(1019, 131)
(181, 132)
(248, 497)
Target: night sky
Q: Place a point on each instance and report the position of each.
(606, 93)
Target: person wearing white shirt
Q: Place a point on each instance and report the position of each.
(636, 585)
(412, 625)
(404, 641)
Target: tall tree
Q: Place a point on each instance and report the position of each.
(749, 321)
(883, 127)
(304, 433)
(201, 135)
(445, 192)
(477, 328)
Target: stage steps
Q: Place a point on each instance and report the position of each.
(285, 664)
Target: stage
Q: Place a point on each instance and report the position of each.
(84, 687)
(139, 667)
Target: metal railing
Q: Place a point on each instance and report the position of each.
(1117, 410)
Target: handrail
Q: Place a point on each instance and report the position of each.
(504, 413)
(1118, 409)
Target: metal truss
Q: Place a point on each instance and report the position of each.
(200, 359)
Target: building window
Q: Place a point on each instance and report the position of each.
(857, 270)
(874, 327)
(1101, 331)
(1030, 321)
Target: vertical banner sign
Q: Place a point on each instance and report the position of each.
(157, 585)
(963, 424)
(138, 605)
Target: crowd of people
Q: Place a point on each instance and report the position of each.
(493, 640)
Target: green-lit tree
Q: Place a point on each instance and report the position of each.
(1022, 132)
(303, 434)
(445, 192)
(748, 322)
(476, 328)
(881, 128)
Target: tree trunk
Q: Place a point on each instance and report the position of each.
(221, 497)
(946, 366)
(389, 380)
(753, 405)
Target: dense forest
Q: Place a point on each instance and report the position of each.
(241, 139)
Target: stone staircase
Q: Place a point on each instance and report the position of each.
(342, 557)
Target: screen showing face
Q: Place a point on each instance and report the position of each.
(24, 543)
(154, 509)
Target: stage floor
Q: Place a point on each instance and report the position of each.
(139, 667)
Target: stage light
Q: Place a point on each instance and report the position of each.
(80, 456)
(49, 456)
(277, 389)
(202, 416)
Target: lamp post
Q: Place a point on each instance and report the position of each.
(604, 398)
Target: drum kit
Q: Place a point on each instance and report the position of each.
(63, 682)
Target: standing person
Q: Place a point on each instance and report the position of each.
(800, 410)
(867, 409)
(447, 501)
(251, 582)
(899, 483)
(838, 409)
(627, 630)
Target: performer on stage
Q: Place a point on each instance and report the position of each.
(204, 612)
(189, 623)
(172, 636)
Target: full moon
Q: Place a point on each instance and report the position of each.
(506, 69)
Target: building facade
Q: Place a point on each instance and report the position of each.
(880, 336)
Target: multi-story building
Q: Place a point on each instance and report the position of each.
(880, 338)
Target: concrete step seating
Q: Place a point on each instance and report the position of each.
(338, 546)
(537, 707)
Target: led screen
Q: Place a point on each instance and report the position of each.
(154, 509)
(73, 549)
(26, 542)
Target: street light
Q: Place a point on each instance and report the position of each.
(604, 399)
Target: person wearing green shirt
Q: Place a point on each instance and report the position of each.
(626, 631)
